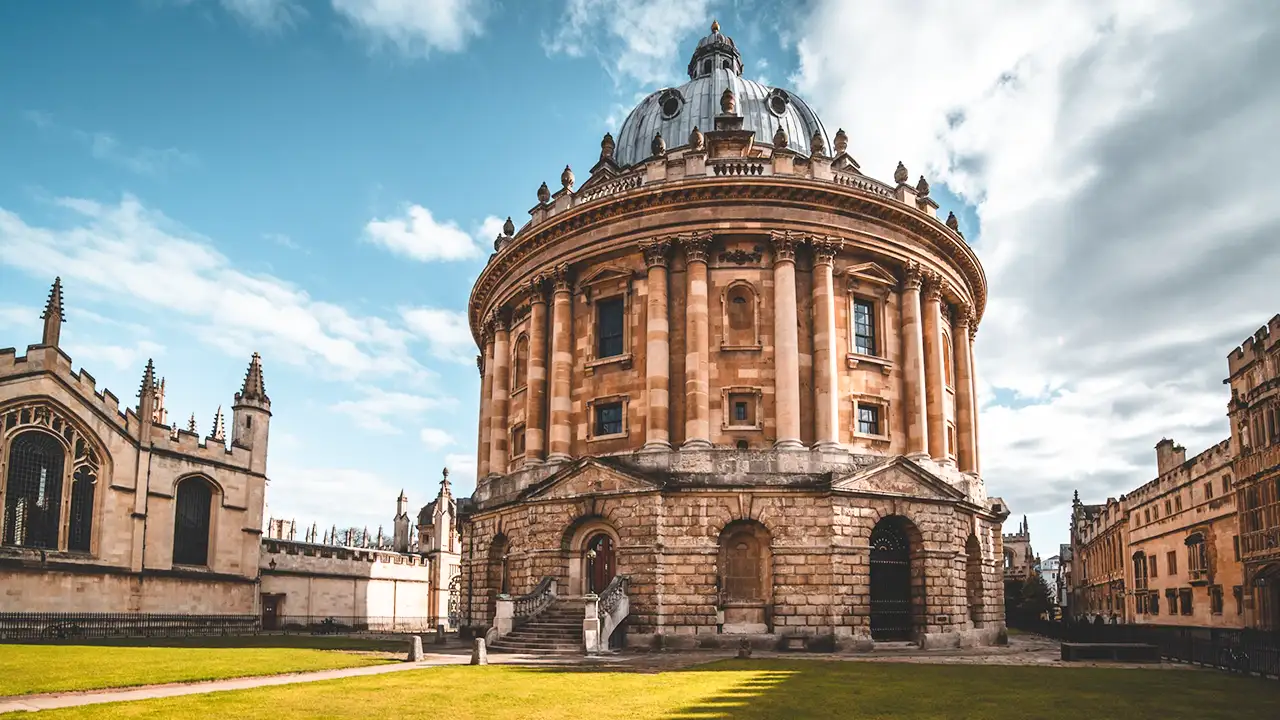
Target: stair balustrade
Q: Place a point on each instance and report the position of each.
(512, 611)
(603, 614)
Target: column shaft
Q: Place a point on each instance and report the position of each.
(657, 364)
(786, 342)
(914, 411)
(935, 381)
(500, 399)
(561, 366)
(536, 400)
(826, 377)
(974, 445)
(697, 359)
(486, 393)
(964, 395)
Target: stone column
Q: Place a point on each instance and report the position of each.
(697, 359)
(914, 411)
(561, 364)
(485, 364)
(973, 394)
(786, 341)
(657, 357)
(500, 398)
(535, 433)
(826, 377)
(964, 392)
(935, 381)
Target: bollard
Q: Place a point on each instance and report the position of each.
(744, 648)
(415, 648)
(439, 634)
(479, 655)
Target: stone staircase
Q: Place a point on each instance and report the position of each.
(555, 631)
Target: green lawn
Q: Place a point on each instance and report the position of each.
(26, 669)
(739, 689)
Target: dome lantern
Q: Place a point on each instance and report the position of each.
(715, 52)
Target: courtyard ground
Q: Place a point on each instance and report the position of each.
(46, 668)
(758, 688)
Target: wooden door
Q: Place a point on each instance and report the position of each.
(600, 562)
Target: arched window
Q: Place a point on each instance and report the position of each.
(1140, 570)
(33, 491)
(948, 361)
(192, 506)
(520, 367)
(83, 484)
(740, 316)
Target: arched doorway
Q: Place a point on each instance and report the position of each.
(745, 579)
(890, 581)
(601, 562)
(973, 579)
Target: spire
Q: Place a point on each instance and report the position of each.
(254, 389)
(219, 432)
(147, 393)
(52, 316)
(191, 425)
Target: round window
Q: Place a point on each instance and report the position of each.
(778, 101)
(670, 103)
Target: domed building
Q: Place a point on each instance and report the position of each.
(728, 391)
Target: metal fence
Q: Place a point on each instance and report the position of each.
(342, 624)
(1250, 651)
(60, 626)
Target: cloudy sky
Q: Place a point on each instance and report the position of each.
(321, 181)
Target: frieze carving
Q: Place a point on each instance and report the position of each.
(825, 249)
(738, 256)
(696, 246)
(656, 252)
(480, 364)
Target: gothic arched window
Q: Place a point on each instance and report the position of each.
(33, 491)
(82, 489)
(192, 506)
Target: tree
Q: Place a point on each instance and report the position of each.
(1036, 598)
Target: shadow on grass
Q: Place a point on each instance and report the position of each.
(395, 644)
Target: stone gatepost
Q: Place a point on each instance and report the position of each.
(505, 615)
(415, 648)
(591, 622)
(479, 655)
(440, 638)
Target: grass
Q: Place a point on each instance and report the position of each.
(739, 689)
(44, 668)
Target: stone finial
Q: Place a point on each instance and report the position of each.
(817, 146)
(544, 194)
(52, 315)
(191, 424)
(697, 141)
(255, 388)
(607, 146)
(780, 138)
(219, 432)
(715, 27)
(659, 146)
(566, 178)
(147, 393)
(508, 227)
(953, 222)
(900, 174)
(922, 188)
(842, 141)
(728, 102)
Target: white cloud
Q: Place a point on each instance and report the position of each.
(638, 40)
(140, 160)
(386, 412)
(436, 439)
(121, 357)
(417, 27)
(267, 15)
(332, 496)
(462, 472)
(446, 332)
(416, 234)
(17, 316)
(1121, 169)
(126, 253)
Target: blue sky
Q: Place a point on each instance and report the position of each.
(321, 181)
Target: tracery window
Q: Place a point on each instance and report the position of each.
(1197, 556)
(1140, 570)
(193, 504)
(33, 496)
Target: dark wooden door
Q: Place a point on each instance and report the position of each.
(600, 562)
(890, 583)
(270, 612)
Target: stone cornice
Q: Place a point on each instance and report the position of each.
(817, 195)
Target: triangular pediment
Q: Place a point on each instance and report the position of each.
(871, 272)
(589, 476)
(898, 477)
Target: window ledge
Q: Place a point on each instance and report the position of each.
(624, 360)
(192, 568)
(612, 436)
(853, 360)
(742, 348)
(872, 438)
(742, 428)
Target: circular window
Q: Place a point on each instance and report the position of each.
(670, 103)
(778, 101)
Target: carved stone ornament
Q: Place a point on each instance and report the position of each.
(500, 318)
(825, 249)
(544, 194)
(780, 138)
(932, 286)
(480, 364)
(964, 315)
(922, 188)
(656, 252)
(784, 245)
(508, 227)
(696, 245)
(738, 256)
(900, 174)
(538, 286)
(606, 147)
(562, 278)
(912, 276)
(728, 102)
(697, 141)
(566, 178)
(952, 222)
(842, 141)
(659, 146)
(817, 146)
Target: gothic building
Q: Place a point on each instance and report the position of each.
(728, 388)
(111, 510)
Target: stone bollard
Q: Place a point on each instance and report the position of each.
(439, 634)
(479, 655)
(415, 648)
(744, 648)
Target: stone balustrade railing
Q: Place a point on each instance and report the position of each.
(528, 606)
(604, 613)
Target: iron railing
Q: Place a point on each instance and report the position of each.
(342, 624)
(58, 626)
(1238, 650)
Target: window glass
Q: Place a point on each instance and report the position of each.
(609, 419)
(869, 420)
(864, 327)
(609, 327)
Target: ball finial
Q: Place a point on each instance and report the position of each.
(566, 178)
(715, 26)
(900, 174)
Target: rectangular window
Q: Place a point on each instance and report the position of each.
(1177, 502)
(1154, 566)
(609, 324)
(1168, 507)
(869, 420)
(1235, 546)
(864, 327)
(1215, 599)
(1146, 516)
(1226, 484)
(1208, 491)
(1171, 597)
(609, 419)
(1173, 562)
(1184, 600)
(1155, 602)
(742, 410)
(517, 441)
(1140, 603)
(1237, 593)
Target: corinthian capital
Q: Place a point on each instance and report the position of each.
(932, 285)
(912, 276)
(562, 278)
(825, 249)
(784, 244)
(657, 253)
(538, 286)
(964, 314)
(696, 246)
(500, 319)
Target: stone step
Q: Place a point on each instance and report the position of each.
(539, 649)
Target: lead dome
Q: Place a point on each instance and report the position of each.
(716, 65)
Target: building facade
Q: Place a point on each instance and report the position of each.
(1194, 546)
(1019, 559)
(738, 372)
(110, 510)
